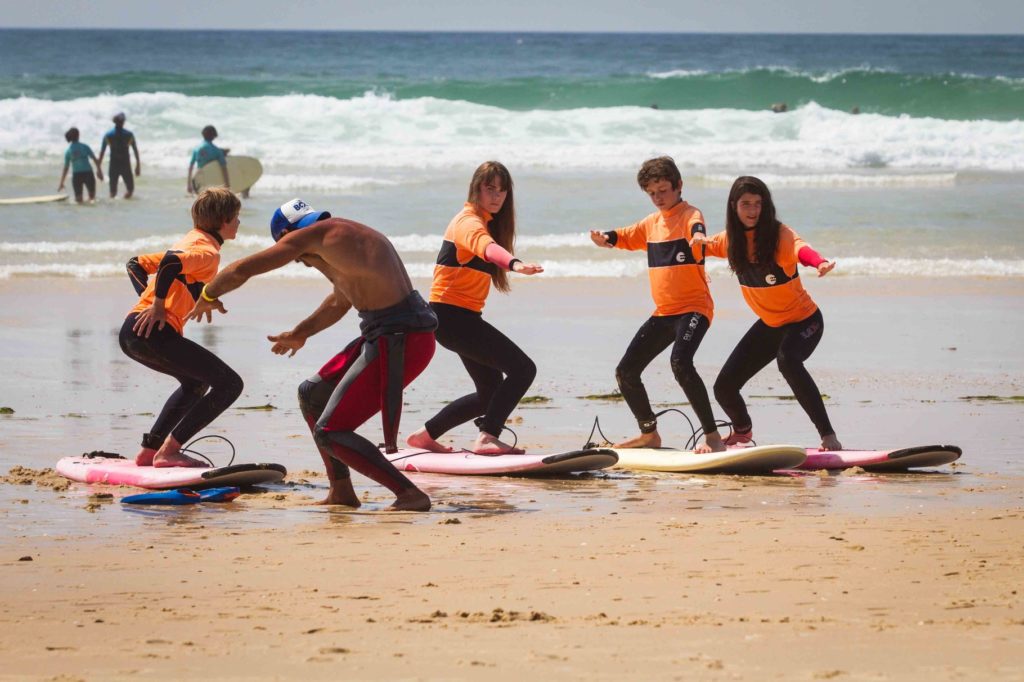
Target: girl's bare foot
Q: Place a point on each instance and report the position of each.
(644, 440)
(145, 457)
(739, 437)
(170, 455)
(486, 444)
(830, 442)
(412, 499)
(422, 441)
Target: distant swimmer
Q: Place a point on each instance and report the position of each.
(395, 344)
(206, 153)
(855, 110)
(152, 334)
(77, 157)
(120, 140)
(682, 299)
(780, 107)
(764, 254)
(477, 253)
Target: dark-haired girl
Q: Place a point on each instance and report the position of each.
(77, 157)
(476, 253)
(764, 253)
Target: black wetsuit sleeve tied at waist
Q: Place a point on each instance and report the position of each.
(137, 274)
(169, 270)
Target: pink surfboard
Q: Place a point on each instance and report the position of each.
(882, 460)
(119, 471)
(468, 463)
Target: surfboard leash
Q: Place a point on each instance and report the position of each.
(186, 447)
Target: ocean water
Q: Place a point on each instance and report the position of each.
(386, 128)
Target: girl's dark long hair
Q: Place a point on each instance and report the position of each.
(766, 237)
(503, 224)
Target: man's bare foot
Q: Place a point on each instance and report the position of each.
(830, 442)
(170, 455)
(644, 440)
(145, 457)
(738, 437)
(486, 444)
(712, 443)
(422, 440)
(341, 492)
(412, 499)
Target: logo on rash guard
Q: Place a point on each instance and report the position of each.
(681, 257)
(770, 279)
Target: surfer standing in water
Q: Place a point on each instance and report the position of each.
(120, 140)
(764, 254)
(152, 332)
(476, 253)
(683, 305)
(368, 376)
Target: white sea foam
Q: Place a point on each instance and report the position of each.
(360, 141)
(862, 179)
(613, 267)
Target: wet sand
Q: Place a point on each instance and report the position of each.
(853, 576)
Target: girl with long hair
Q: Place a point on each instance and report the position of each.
(477, 252)
(764, 253)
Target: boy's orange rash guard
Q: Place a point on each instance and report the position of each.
(199, 253)
(462, 275)
(678, 282)
(774, 293)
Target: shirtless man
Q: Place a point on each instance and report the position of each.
(395, 345)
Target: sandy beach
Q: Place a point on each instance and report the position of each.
(606, 576)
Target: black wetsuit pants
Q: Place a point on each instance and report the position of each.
(208, 385)
(120, 169)
(684, 333)
(789, 345)
(500, 370)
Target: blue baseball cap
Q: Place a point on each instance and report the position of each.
(293, 215)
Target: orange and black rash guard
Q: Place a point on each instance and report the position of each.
(198, 253)
(773, 290)
(462, 276)
(678, 282)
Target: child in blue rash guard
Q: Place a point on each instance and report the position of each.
(206, 153)
(77, 158)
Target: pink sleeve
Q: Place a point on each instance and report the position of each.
(810, 257)
(499, 256)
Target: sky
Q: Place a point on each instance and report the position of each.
(674, 16)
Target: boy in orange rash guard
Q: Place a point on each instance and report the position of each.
(683, 305)
(152, 334)
(476, 252)
(764, 254)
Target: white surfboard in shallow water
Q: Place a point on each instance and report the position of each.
(761, 459)
(41, 199)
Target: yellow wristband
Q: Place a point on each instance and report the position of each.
(203, 295)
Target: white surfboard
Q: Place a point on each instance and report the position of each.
(762, 459)
(115, 470)
(41, 199)
(243, 171)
